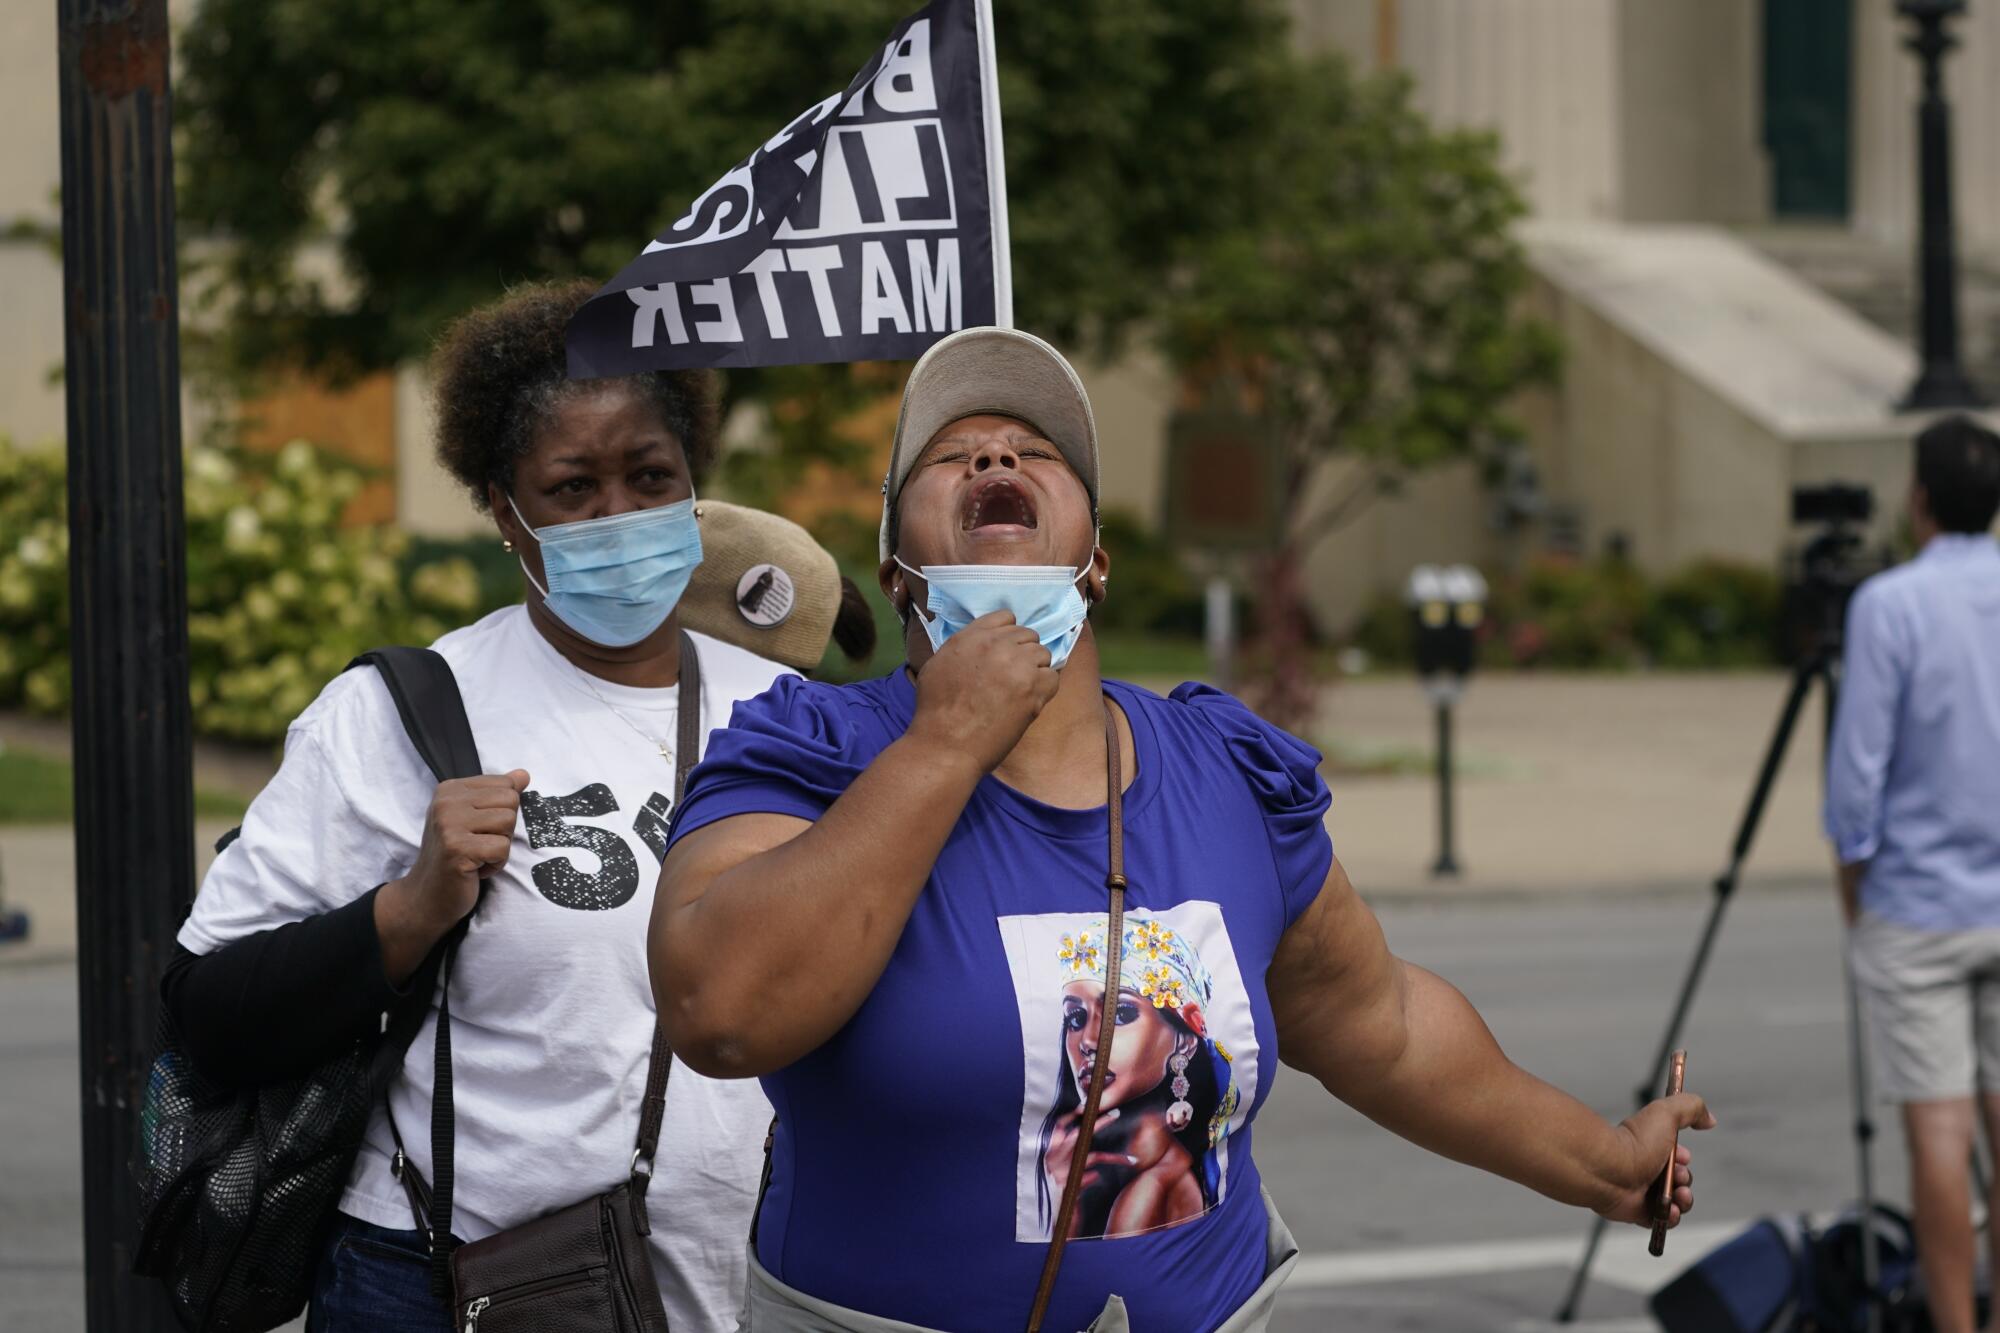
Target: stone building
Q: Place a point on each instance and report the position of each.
(1724, 196)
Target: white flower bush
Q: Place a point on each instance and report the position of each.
(282, 593)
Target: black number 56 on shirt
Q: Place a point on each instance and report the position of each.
(548, 820)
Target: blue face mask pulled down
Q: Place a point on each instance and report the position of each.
(615, 580)
(1044, 598)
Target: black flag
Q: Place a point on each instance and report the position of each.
(868, 228)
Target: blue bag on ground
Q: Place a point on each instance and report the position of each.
(1748, 1284)
(1781, 1276)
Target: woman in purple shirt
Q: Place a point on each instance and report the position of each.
(1015, 949)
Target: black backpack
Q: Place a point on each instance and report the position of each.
(238, 1186)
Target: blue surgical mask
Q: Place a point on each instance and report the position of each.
(615, 580)
(1044, 598)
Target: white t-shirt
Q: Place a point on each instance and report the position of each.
(552, 1010)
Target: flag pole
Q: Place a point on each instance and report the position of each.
(996, 165)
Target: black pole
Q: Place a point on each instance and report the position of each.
(1803, 679)
(128, 595)
(1447, 863)
(1943, 382)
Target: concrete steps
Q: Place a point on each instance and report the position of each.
(1879, 283)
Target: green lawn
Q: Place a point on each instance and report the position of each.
(35, 789)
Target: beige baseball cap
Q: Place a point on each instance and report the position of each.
(763, 584)
(1004, 372)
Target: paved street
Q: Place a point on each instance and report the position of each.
(1394, 1239)
(1577, 992)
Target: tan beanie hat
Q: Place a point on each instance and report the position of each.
(763, 584)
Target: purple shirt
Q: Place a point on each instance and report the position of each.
(912, 1174)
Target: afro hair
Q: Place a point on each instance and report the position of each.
(501, 370)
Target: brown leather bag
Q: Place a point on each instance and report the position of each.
(580, 1269)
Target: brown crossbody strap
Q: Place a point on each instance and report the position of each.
(687, 749)
(1114, 880)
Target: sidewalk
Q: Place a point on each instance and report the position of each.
(1588, 783)
(38, 875)
(38, 862)
(1602, 785)
(218, 766)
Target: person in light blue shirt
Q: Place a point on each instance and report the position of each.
(1913, 809)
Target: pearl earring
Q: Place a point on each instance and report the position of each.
(1180, 1113)
(506, 545)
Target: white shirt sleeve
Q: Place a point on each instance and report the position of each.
(343, 814)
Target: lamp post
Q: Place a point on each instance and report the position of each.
(1942, 382)
(128, 600)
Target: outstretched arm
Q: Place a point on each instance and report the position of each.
(1404, 1048)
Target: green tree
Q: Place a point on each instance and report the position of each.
(1172, 166)
(445, 148)
(1367, 297)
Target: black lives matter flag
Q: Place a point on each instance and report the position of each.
(868, 228)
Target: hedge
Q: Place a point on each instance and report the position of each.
(281, 593)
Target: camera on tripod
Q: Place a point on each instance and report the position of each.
(1822, 573)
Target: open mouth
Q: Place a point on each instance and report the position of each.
(997, 501)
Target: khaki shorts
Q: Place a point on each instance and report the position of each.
(1933, 1005)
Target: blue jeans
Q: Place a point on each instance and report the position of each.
(374, 1280)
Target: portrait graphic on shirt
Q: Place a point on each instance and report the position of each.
(1181, 1077)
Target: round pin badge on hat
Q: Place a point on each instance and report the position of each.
(765, 596)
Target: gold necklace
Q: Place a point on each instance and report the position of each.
(659, 743)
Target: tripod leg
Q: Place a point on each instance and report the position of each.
(1725, 885)
(1725, 889)
(1567, 1313)
(1982, 1176)
(1864, 1139)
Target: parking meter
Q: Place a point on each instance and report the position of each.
(1447, 606)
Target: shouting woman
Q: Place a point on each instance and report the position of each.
(885, 899)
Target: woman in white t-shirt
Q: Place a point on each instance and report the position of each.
(354, 862)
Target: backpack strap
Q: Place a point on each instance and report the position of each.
(1794, 1232)
(433, 711)
(425, 692)
(428, 701)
